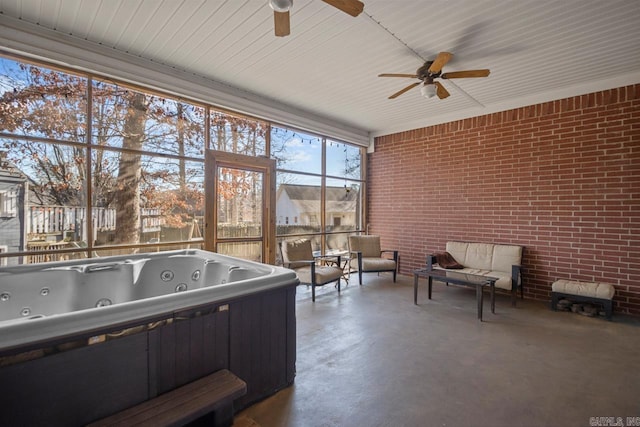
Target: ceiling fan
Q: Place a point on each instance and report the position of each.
(430, 71)
(281, 12)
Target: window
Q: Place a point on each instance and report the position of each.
(236, 134)
(319, 184)
(133, 181)
(8, 204)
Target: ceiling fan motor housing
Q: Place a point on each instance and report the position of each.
(424, 74)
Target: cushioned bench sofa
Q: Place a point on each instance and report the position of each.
(488, 259)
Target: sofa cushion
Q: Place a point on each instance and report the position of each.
(504, 279)
(486, 256)
(479, 255)
(472, 255)
(458, 250)
(504, 256)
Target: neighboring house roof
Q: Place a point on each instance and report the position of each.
(12, 174)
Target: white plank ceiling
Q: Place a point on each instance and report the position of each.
(536, 50)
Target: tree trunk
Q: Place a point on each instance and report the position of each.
(130, 170)
(233, 201)
(182, 172)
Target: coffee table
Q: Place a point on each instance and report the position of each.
(457, 278)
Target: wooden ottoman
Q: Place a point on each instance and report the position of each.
(594, 292)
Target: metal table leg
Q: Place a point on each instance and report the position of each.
(493, 297)
(479, 298)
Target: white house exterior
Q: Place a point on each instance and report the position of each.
(300, 205)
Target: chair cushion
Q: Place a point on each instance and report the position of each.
(368, 245)
(296, 250)
(324, 274)
(375, 264)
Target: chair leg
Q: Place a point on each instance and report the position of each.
(394, 276)
(338, 285)
(360, 276)
(313, 293)
(608, 309)
(554, 301)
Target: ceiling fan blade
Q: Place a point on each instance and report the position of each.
(352, 7)
(400, 92)
(412, 76)
(441, 91)
(440, 61)
(281, 21)
(465, 74)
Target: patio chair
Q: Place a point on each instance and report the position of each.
(367, 257)
(312, 271)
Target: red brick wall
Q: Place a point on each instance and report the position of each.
(560, 178)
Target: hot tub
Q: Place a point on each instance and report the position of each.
(214, 312)
(48, 300)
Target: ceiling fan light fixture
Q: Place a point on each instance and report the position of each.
(281, 5)
(428, 90)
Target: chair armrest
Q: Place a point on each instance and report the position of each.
(516, 271)
(395, 253)
(431, 259)
(358, 255)
(302, 261)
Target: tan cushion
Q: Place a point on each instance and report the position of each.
(376, 264)
(479, 256)
(368, 245)
(505, 256)
(458, 250)
(296, 250)
(504, 279)
(486, 256)
(324, 274)
(585, 289)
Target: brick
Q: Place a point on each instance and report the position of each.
(560, 178)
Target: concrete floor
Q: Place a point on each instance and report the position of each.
(370, 357)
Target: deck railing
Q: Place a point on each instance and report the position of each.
(42, 220)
